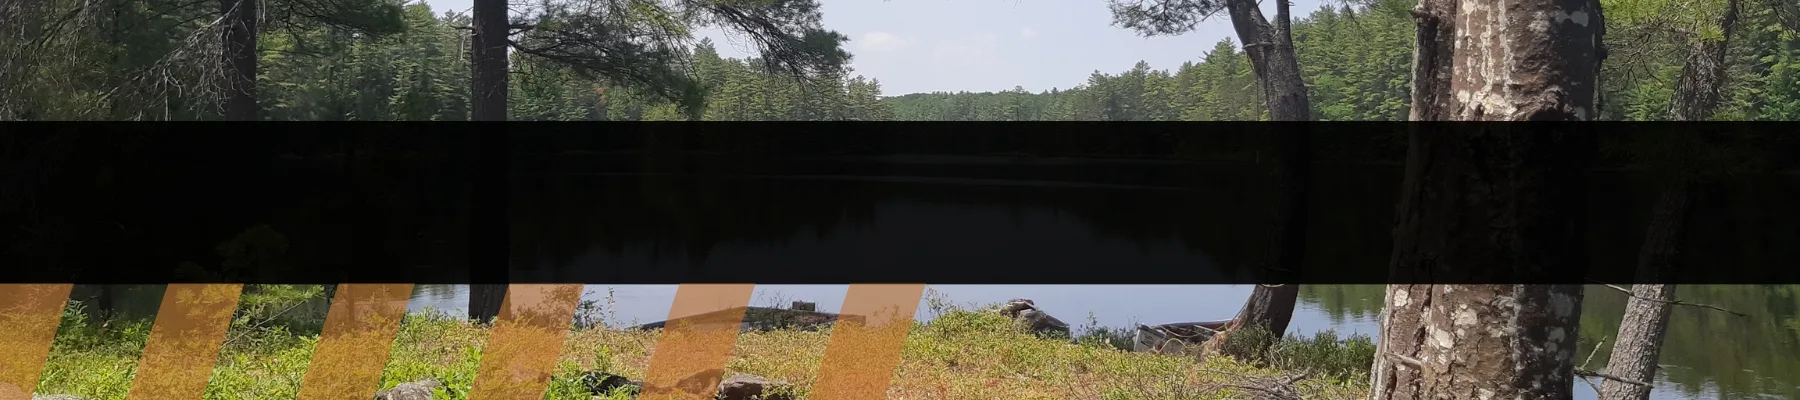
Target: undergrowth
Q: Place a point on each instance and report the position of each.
(961, 354)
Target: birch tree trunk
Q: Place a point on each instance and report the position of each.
(1491, 204)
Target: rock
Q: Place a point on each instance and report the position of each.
(602, 383)
(1012, 307)
(419, 390)
(751, 387)
(1041, 323)
(1026, 314)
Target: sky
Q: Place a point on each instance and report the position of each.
(915, 46)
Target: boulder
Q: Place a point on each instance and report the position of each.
(419, 390)
(1026, 314)
(1012, 307)
(1041, 323)
(751, 387)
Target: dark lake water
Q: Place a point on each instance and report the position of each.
(1139, 216)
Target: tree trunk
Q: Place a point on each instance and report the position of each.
(1484, 207)
(1272, 59)
(1271, 51)
(485, 302)
(488, 46)
(1491, 205)
(1271, 307)
(1646, 320)
(239, 59)
(1641, 332)
(490, 227)
(1703, 74)
(489, 234)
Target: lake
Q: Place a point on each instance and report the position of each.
(589, 215)
(1708, 355)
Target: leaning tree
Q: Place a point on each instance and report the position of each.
(636, 43)
(1271, 51)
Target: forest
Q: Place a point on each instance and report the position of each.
(385, 61)
(1475, 213)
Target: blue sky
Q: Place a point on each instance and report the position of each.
(989, 45)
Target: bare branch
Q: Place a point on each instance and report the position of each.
(1586, 373)
(1408, 361)
(1627, 292)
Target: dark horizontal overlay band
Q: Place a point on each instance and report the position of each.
(805, 203)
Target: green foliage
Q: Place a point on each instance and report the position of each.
(631, 60)
(96, 361)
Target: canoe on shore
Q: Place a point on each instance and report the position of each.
(759, 319)
(1157, 338)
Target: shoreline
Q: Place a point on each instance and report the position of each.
(961, 354)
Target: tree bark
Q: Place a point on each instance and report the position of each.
(488, 70)
(1271, 51)
(1484, 207)
(1703, 73)
(490, 227)
(1646, 320)
(1277, 69)
(1271, 306)
(1491, 205)
(239, 59)
(489, 234)
(1639, 344)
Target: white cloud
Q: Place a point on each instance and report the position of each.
(1027, 33)
(976, 51)
(883, 42)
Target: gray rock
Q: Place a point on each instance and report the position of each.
(1027, 315)
(1012, 307)
(1042, 323)
(420, 390)
(751, 387)
(805, 306)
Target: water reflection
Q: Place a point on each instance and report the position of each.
(1707, 354)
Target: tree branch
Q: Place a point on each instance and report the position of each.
(1673, 302)
(1586, 373)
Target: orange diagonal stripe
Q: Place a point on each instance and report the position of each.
(695, 344)
(184, 343)
(353, 348)
(29, 315)
(525, 342)
(866, 342)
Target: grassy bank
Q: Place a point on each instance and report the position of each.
(959, 355)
